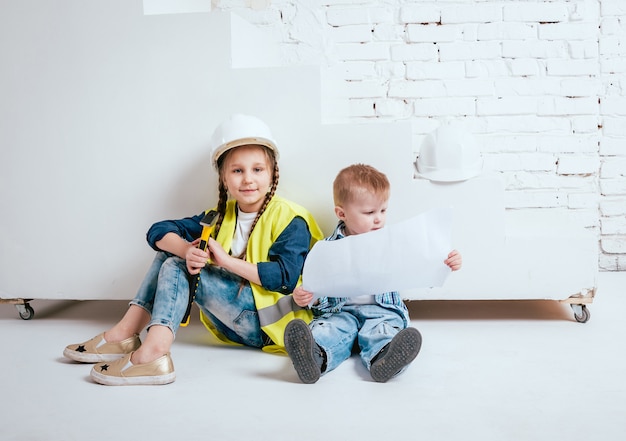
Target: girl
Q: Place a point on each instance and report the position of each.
(255, 257)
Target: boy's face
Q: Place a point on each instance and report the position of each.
(367, 213)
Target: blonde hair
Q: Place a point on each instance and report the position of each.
(356, 179)
(223, 191)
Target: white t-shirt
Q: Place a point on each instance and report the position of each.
(242, 232)
(361, 300)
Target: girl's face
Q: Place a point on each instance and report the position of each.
(247, 174)
(366, 213)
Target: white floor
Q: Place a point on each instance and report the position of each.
(516, 370)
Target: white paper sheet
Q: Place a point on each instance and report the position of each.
(405, 255)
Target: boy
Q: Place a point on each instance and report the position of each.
(378, 323)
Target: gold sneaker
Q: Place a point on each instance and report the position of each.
(98, 349)
(123, 373)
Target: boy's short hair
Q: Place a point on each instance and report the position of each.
(357, 179)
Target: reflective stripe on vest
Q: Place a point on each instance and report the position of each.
(273, 313)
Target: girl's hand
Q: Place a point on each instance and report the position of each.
(302, 297)
(218, 255)
(195, 258)
(454, 260)
(246, 270)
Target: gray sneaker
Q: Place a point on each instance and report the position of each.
(396, 355)
(305, 354)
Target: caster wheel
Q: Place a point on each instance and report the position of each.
(26, 312)
(582, 314)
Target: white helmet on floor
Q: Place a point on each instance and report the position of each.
(449, 154)
(238, 130)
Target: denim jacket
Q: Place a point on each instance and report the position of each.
(278, 273)
(332, 305)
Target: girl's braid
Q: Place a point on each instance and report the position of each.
(221, 207)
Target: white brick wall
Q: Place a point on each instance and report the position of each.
(542, 85)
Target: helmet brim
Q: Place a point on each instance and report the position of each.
(264, 142)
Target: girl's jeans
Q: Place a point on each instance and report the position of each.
(225, 298)
(372, 326)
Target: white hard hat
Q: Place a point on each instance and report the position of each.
(449, 154)
(238, 130)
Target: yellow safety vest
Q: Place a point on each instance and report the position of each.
(274, 309)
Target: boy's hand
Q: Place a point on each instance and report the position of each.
(302, 297)
(454, 260)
